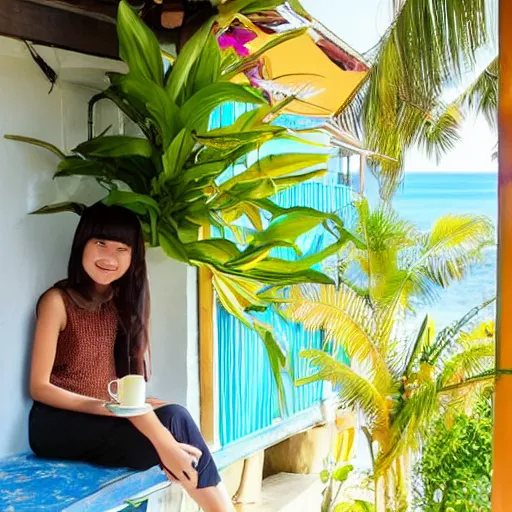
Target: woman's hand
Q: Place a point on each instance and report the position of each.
(177, 463)
(155, 402)
(192, 450)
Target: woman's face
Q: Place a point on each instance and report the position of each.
(106, 261)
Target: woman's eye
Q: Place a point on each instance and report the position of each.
(100, 243)
(122, 249)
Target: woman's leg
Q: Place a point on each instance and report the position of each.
(61, 434)
(210, 494)
(212, 499)
(110, 441)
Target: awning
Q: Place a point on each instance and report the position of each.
(317, 66)
(300, 65)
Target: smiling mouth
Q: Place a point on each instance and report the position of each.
(105, 269)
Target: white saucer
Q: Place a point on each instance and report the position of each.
(128, 411)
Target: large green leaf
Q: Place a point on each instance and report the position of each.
(291, 225)
(207, 69)
(283, 272)
(67, 206)
(236, 294)
(195, 113)
(280, 272)
(78, 166)
(341, 473)
(136, 112)
(187, 59)
(178, 153)
(130, 170)
(205, 170)
(276, 166)
(291, 181)
(232, 138)
(188, 232)
(242, 192)
(152, 101)
(36, 142)
(356, 506)
(128, 199)
(216, 251)
(251, 256)
(276, 357)
(138, 46)
(135, 171)
(115, 146)
(171, 245)
(247, 6)
(258, 191)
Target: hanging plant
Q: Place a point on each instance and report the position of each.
(173, 175)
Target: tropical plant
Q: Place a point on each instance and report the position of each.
(454, 472)
(399, 383)
(429, 44)
(172, 174)
(398, 266)
(335, 478)
(401, 391)
(337, 471)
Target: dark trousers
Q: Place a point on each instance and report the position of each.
(110, 441)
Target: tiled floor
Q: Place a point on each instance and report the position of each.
(284, 492)
(288, 492)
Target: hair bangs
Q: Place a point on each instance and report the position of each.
(114, 223)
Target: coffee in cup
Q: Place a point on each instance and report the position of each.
(131, 391)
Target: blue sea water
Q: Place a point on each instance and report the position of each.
(422, 199)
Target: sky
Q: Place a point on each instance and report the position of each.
(361, 25)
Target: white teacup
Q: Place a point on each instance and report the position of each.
(131, 391)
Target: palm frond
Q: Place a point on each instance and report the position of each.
(473, 354)
(481, 96)
(408, 75)
(440, 133)
(347, 320)
(459, 232)
(384, 234)
(350, 119)
(422, 341)
(450, 335)
(354, 390)
(444, 255)
(471, 361)
(410, 424)
(486, 377)
(383, 229)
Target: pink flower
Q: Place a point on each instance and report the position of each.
(237, 38)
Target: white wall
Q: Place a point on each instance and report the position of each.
(34, 249)
(174, 331)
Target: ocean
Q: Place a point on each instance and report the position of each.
(422, 199)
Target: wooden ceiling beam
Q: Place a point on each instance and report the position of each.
(72, 29)
(90, 8)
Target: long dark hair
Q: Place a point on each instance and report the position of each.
(131, 292)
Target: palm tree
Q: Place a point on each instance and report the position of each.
(398, 382)
(429, 45)
(400, 404)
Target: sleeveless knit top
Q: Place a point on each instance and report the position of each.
(84, 361)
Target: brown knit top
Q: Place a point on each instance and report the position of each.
(84, 361)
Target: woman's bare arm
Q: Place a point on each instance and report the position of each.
(51, 320)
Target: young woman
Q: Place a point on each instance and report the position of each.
(91, 329)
